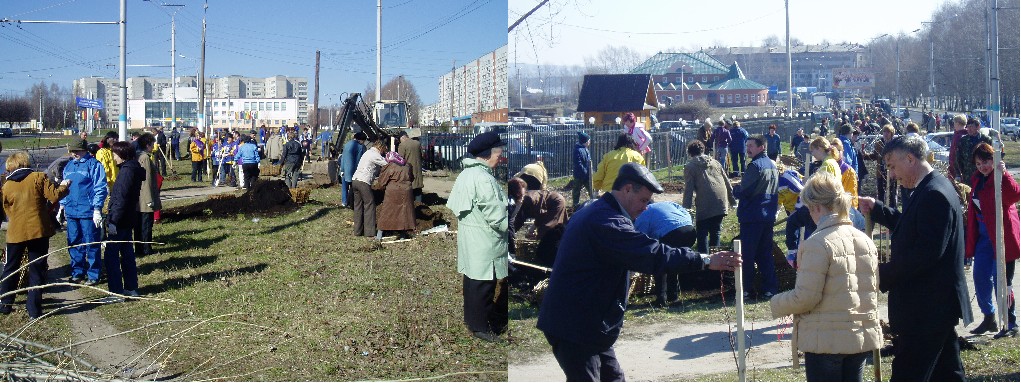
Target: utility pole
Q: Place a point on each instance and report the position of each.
(790, 67)
(40, 110)
(315, 104)
(122, 116)
(173, 71)
(379, 49)
(896, 97)
(202, 77)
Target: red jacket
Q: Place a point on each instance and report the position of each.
(1011, 195)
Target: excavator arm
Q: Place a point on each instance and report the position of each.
(356, 111)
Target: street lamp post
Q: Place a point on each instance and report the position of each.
(173, 64)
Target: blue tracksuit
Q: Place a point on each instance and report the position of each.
(87, 194)
(756, 212)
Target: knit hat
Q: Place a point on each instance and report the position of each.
(583, 137)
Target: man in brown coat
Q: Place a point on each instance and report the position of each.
(705, 178)
(411, 150)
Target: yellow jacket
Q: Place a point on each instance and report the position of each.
(610, 165)
(105, 157)
(850, 181)
(196, 153)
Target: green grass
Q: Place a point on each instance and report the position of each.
(302, 299)
(349, 312)
(22, 142)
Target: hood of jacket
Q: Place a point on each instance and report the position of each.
(700, 163)
(19, 174)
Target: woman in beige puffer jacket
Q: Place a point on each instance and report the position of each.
(834, 301)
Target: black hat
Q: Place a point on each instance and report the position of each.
(82, 145)
(640, 174)
(361, 136)
(484, 142)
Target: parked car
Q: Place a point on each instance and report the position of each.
(6, 132)
(943, 139)
(1009, 126)
(442, 150)
(518, 155)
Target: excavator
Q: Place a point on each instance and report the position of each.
(392, 115)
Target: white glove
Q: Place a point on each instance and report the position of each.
(65, 182)
(111, 229)
(97, 218)
(60, 215)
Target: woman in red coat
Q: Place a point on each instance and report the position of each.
(980, 237)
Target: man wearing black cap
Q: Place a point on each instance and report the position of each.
(582, 167)
(582, 312)
(480, 204)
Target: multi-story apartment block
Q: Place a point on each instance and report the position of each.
(474, 92)
(155, 90)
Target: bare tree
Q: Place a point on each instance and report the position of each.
(614, 59)
(15, 109)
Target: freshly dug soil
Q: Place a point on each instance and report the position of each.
(267, 197)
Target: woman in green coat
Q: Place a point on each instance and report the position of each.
(480, 204)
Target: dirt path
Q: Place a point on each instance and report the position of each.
(667, 352)
(116, 355)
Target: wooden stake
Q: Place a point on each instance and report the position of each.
(739, 306)
(1001, 265)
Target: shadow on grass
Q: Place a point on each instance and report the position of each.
(1005, 377)
(316, 215)
(184, 244)
(182, 282)
(176, 263)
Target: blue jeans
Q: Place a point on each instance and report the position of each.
(835, 367)
(345, 189)
(721, 156)
(984, 270)
(707, 233)
(120, 262)
(737, 158)
(84, 259)
(757, 250)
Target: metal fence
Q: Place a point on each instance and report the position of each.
(555, 145)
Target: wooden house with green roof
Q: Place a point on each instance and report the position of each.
(686, 77)
(605, 97)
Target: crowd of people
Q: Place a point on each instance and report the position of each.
(592, 250)
(108, 191)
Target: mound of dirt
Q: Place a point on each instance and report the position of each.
(266, 197)
(427, 218)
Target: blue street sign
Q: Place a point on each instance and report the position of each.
(89, 103)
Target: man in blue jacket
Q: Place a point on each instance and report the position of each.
(353, 151)
(738, 138)
(849, 154)
(582, 167)
(582, 311)
(756, 210)
(773, 144)
(83, 208)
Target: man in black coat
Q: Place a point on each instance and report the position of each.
(582, 311)
(292, 156)
(925, 275)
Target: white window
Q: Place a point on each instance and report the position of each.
(262, 105)
(276, 106)
(690, 97)
(283, 106)
(745, 97)
(248, 106)
(722, 99)
(679, 80)
(730, 99)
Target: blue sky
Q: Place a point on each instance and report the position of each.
(258, 38)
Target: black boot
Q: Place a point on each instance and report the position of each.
(988, 324)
